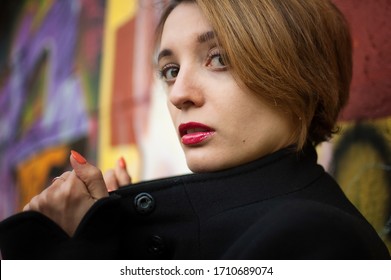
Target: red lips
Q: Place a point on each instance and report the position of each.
(193, 133)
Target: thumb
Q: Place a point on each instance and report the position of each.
(121, 173)
(90, 175)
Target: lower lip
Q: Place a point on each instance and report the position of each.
(196, 138)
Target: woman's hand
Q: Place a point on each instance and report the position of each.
(118, 176)
(69, 197)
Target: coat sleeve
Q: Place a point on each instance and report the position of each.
(309, 231)
(31, 235)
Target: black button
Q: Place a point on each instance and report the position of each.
(156, 245)
(144, 203)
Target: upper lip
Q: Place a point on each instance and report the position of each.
(197, 127)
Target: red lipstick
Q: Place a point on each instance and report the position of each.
(193, 133)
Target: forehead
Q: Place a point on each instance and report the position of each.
(185, 22)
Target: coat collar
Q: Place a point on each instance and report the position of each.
(274, 175)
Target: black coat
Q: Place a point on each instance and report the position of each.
(283, 206)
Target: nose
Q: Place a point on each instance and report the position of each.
(187, 91)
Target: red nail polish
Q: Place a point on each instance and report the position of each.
(78, 157)
(122, 163)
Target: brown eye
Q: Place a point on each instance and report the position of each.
(217, 61)
(169, 72)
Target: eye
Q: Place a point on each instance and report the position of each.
(169, 72)
(216, 61)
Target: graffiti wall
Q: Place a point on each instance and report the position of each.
(360, 156)
(44, 102)
(77, 75)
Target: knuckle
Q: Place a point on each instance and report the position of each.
(33, 204)
(96, 174)
(66, 174)
(37, 203)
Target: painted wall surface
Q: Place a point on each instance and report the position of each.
(360, 156)
(77, 75)
(45, 105)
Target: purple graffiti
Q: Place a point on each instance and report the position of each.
(44, 51)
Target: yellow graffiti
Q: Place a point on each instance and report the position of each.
(117, 12)
(34, 173)
(364, 176)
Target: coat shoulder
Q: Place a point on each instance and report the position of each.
(305, 229)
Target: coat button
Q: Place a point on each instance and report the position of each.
(144, 203)
(156, 245)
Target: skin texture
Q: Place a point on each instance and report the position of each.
(201, 89)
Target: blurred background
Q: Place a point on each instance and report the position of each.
(77, 74)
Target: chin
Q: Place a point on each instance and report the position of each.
(197, 168)
(206, 166)
(201, 165)
(207, 160)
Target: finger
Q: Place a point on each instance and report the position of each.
(89, 174)
(110, 180)
(75, 199)
(32, 205)
(26, 207)
(121, 173)
(66, 174)
(64, 203)
(74, 189)
(62, 178)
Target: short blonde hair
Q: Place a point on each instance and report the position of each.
(296, 54)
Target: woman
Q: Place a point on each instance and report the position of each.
(252, 87)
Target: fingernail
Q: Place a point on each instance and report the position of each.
(78, 157)
(122, 163)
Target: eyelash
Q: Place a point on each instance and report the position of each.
(213, 53)
(216, 53)
(163, 71)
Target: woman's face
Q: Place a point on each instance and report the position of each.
(219, 124)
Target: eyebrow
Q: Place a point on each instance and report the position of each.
(202, 38)
(163, 53)
(205, 37)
